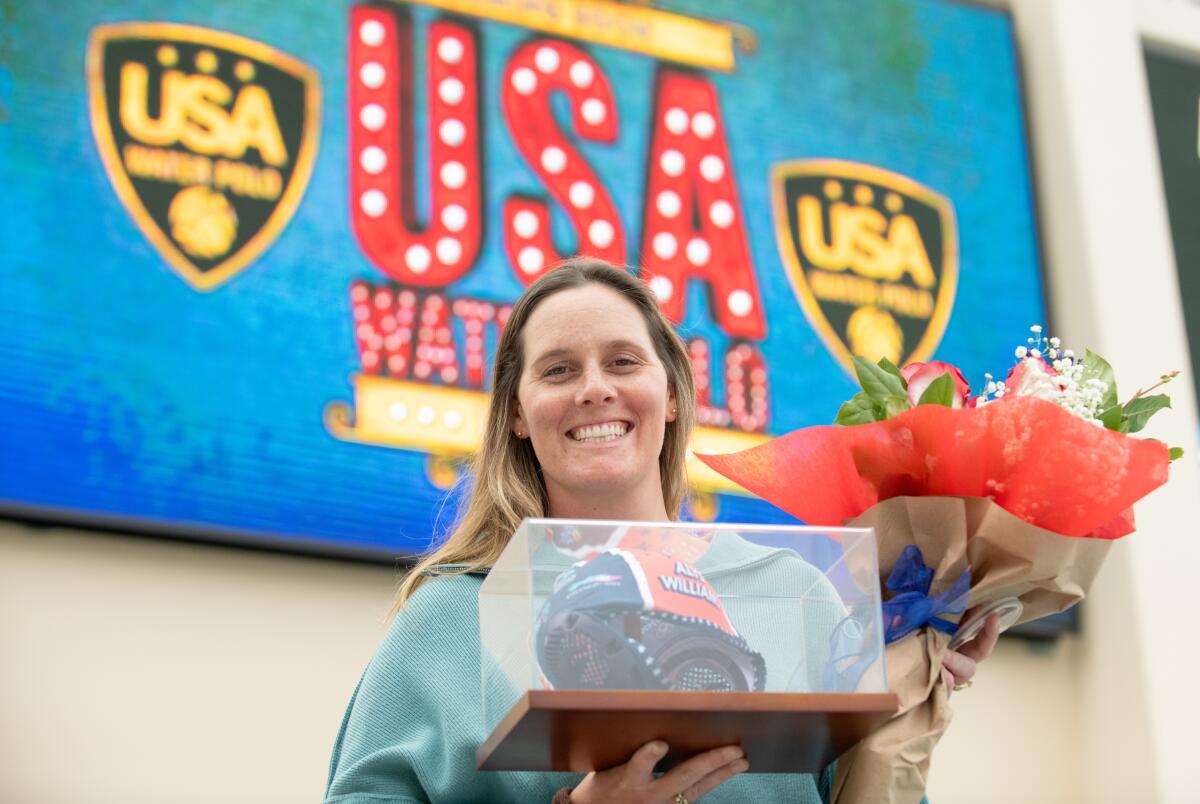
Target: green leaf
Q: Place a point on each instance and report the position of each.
(877, 382)
(1096, 367)
(1138, 411)
(895, 405)
(856, 410)
(939, 392)
(1175, 453)
(893, 369)
(1114, 419)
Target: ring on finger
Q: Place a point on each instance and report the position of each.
(962, 686)
(680, 798)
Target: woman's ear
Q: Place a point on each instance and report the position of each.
(517, 425)
(672, 408)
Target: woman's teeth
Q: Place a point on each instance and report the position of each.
(600, 432)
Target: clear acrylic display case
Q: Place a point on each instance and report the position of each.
(597, 636)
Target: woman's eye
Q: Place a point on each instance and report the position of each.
(626, 362)
(555, 371)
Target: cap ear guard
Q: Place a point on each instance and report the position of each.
(595, 633)
(696, 656)
(583, 650)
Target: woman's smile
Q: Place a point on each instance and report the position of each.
(603, 433)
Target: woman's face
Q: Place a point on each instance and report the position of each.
(593, 398)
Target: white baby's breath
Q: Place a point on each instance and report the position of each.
(1058, 379)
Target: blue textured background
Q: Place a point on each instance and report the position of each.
(125, 393)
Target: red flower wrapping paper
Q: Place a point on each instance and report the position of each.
(1037, 461)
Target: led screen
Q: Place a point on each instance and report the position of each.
(256, 256)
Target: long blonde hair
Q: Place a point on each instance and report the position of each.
(505, 475)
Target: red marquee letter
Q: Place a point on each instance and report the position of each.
(475, 315)
(691, 180)
(381, 147)
(536, 70)
(707, 415)
(746, 391)
(384, 320)
(436, 357)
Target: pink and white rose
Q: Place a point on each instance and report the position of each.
(920, 376)
(1034, 377)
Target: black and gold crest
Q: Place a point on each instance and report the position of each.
(872, 256)
(208, 138)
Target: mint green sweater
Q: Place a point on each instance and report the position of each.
(414, 722)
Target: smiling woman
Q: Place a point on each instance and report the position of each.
(591, 412)
(585, 345)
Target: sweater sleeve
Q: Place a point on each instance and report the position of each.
(391, 742)
(825, 782)
(413, 726)
(362, 772)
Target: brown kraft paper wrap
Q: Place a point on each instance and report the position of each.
(1007, 557)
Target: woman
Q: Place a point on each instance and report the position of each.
(592, 408)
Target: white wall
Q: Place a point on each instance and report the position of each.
(137, 670)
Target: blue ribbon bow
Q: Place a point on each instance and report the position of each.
(911, 606)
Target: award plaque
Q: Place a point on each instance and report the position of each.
(598, 637)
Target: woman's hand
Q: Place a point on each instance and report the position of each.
(635, 783)
(959, 666)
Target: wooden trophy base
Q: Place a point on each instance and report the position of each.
(586, 730)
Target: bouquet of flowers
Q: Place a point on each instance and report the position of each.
(1014, 494)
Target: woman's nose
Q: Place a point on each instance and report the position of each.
(594, 387)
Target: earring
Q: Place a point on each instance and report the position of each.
(520, 434)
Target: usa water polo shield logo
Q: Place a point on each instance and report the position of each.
(872, 257)
(208, 138)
